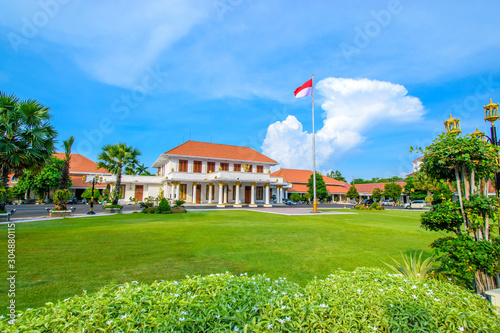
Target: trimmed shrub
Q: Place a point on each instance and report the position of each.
(374, 205)
(113, 206)
(380, 208)
(358, 207)
(366, 300)
(179, 202)
(163, 207)
(178, 209)
(60, 198)
(149, 210)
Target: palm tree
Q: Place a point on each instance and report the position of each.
(142, 169)
(114, 158)
(67, 159)
(27, 139)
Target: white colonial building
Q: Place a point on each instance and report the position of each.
(208, 173)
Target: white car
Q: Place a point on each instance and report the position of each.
(389, 202)
(416, 204)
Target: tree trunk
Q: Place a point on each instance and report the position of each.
(117, 187)
(466, 183)
(472, 182)
(484, 282)
(459, 189)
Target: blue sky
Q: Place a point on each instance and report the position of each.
(155, 73)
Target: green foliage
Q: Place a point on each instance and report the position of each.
(163, 207)
(321, 192)
(377, 194)
(462, 257)
(113, 206)
(374, 205)
(43, 180)
(337, 175)
(478, 207)
(179, 203)
(87, 194)
(115, 158)
(366, 300)
(146, 204)
(161, 194)
(60, 198)
(380, 208)
(414, 267)
(444, 216)
(393, 191)
(295, 197)
(149, 210)
(352, 193)
(27, 139)
(65, 181)
(178, 209)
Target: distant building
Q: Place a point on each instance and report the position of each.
(417, 163)
(366, 190)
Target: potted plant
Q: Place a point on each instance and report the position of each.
(61, 197)
(113, 209)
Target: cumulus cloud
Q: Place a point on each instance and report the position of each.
(351, 107)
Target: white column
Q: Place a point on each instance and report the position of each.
(226, 188)
(177, 191)
(220, 194)
(281, 194)
(266, 186)
(210, 191)
(252, 195)
(237, 196)
(194, 193)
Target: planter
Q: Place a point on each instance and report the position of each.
(4, 217)
(60, 213)
(113, 210)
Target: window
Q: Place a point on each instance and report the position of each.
(250, 168)
(259, 193)
(122, 191)
(182, 191)
(260, 169)
(224, 166)
(211, 166)
(183, 165)
(208, 191)
(237, 167)
(197, 166)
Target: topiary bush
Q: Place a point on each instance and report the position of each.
(60, 198)
(178, 209)
(380, 208)
(113, 206)
(163, 207)
(366, 300)
(149, 210)
(374, 205)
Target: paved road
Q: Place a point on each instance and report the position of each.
(39, 211)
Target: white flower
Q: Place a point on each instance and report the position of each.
(283, 307)
(217, 316)
(176, 295)
(12, 321)
(283, 293)
(176, 283)
(182, 319)
(401, 289)
(67, 299)
(323, 305)
(109, 322)
(274, 291)
(135, 282)
(269, 326)
(288, 319)
(84, 291)
(184, 312)
(461, 329)
(414, 296)
(392, 305)
(237, 310)
(436, 299)
(281, 321)
(188, 294)
(236, 329)
(374, 328)
(449, 279)
(376, 280)
(2, 317)
(381, 290)
(359, 291)
(414, 287)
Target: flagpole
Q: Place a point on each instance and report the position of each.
(315, 205)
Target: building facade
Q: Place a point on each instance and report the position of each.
(208, 173)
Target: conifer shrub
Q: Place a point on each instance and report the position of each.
(366, 300)
(163, 207)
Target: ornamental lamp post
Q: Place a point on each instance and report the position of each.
(452, 126)
(94, 179)
(491, 115)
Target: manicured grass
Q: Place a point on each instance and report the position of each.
(59, 258)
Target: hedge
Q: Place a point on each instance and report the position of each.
(366, 300)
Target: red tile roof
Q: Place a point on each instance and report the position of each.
(81, 164)
(299, 178)
(368, 188)
(215, 150)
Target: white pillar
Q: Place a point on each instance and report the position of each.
(252, 196)
(220, 194)
(177, 191)
(281, 194)
(266, 186)
(194, 193)
(237, 202)
(210, 191)
(225, 193)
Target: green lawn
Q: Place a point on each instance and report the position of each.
(59, 258)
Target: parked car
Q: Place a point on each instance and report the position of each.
(388, 202)
(416, 204)
(288, 202)
(366, 202)
(73, 200)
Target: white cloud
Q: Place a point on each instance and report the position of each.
(351, 108)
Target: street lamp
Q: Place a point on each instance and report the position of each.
(452, 126)
(94, 179)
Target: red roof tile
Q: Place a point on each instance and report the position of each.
(368, 188)
(81, 164)
(299, 178)
(215, 150)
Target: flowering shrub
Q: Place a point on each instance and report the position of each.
(366, 300)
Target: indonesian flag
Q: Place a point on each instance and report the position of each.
(304, 90)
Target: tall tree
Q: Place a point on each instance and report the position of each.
(393, 191)
(352, 193)
(65, 180)
(27, 139)
(115, 158)
(142, 170)
(321, 192)
(44, 180)
(377, 194)
(337, 175)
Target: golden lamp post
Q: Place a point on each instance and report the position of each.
(452, 127)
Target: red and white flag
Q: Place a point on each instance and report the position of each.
(304, 90)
